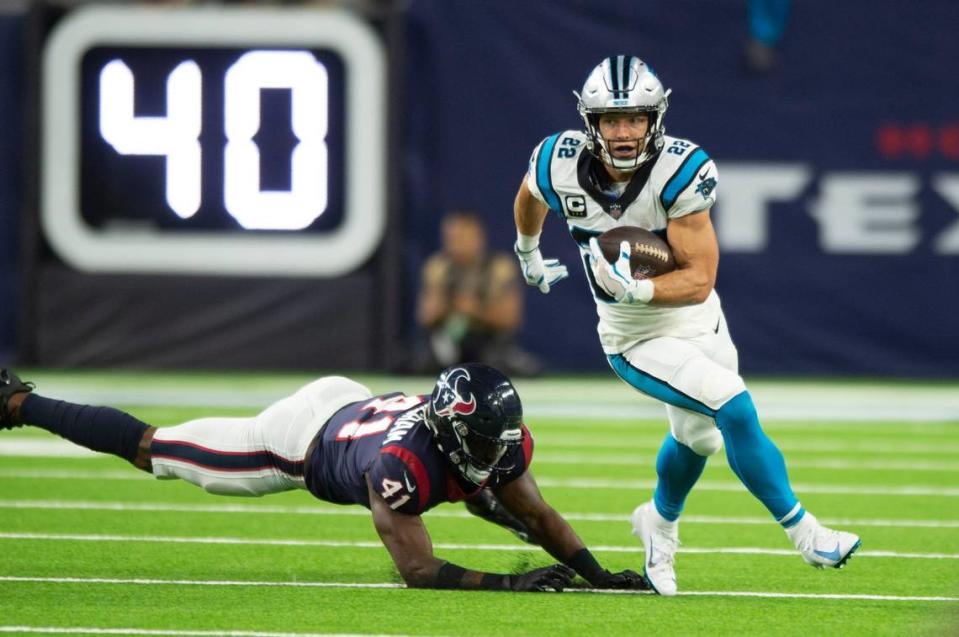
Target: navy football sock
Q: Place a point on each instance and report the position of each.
(756, 460)
(678, 467)
(99, 428)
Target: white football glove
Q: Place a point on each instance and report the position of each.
(539, 272)
(616, 279)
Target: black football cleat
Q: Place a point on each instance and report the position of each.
(485, 505)
(10, 384)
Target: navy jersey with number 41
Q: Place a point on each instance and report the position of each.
(387, 437)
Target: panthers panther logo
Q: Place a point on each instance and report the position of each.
(706, 186)
(451, 394)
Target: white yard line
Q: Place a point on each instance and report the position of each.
(37, 447)
(878, 598)
(627, 460)
(142, 581)
(76, 630)
(582, 483)
(847, 522)
(323, 510)
(819, 444)
(42, 447)
(385, 585)
(236, 541)
(583, 399)
(70, 474)
(851, 413)
(798, 487)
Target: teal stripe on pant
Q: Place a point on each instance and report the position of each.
(677, 466)
(652, 386)
(753, 457)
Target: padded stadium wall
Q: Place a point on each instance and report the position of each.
(837, 214)
(838, 197)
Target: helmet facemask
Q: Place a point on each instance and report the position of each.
(623, 85)
(478, 455)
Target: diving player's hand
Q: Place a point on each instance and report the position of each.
(555, 577)
(624, 580)
(616, 278)
(539, 272)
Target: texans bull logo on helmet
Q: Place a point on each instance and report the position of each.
(452, 398)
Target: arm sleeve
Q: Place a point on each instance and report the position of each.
(700, 191)
(399, 476)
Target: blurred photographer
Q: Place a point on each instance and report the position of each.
(470, 303)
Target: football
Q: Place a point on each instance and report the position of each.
(649, 255)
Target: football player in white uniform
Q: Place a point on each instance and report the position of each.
(664, 336)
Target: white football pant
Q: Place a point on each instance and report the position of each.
(252, 456)
(693, 376)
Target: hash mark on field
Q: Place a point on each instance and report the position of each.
(384, 585)
(170, 539)
(82, 505)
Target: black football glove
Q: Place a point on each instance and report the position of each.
(555, 577)
(624, 580)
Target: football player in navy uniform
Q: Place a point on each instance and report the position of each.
(666, 336)
(397, 455)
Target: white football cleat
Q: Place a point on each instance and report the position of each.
(821, 546)
(660, 540)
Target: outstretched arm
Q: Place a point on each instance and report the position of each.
(408, 542)
(523, 499)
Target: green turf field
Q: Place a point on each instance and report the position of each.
(89, 545)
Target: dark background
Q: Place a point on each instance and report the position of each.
(862, 89)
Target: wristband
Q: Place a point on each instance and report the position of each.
(527, 243)
(644, 290)
(583, 562)
(450, 576)
(494, 582)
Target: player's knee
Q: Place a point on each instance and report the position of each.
(737, 412)
(706, 443)
(712, 384)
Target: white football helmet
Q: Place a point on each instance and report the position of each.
(623, 84)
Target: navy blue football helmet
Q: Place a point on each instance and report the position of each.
(475, 415)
